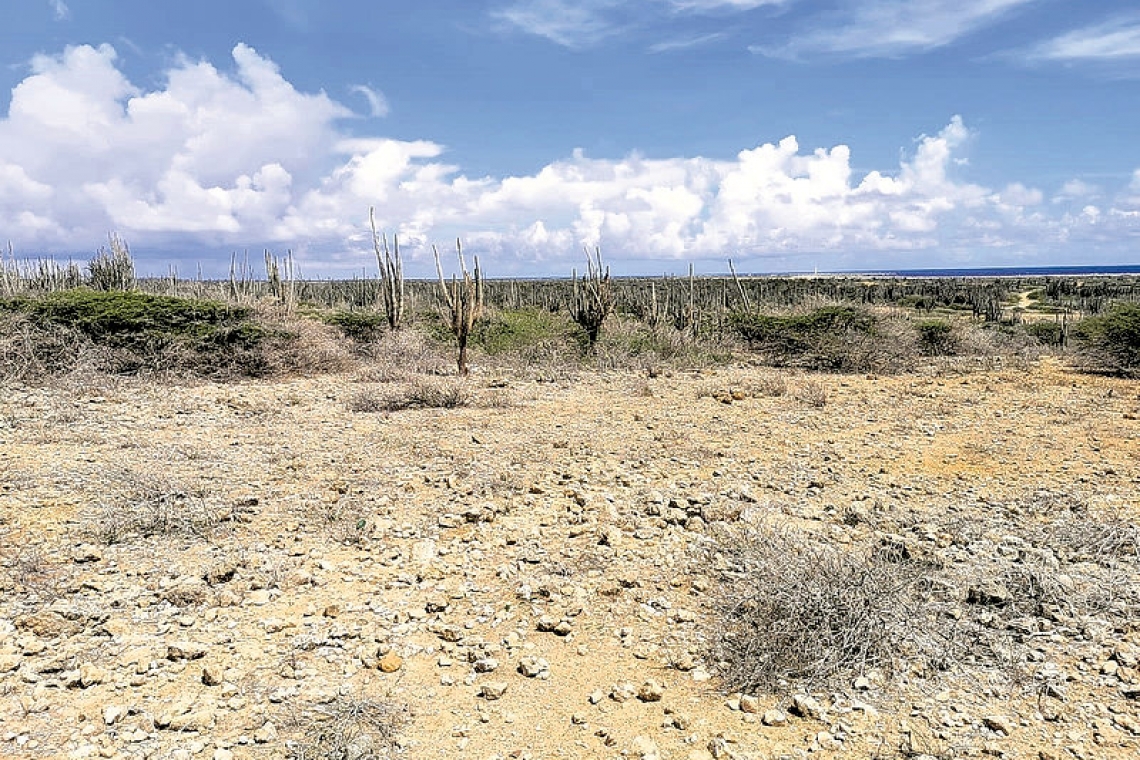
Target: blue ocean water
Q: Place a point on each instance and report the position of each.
(1067, 271)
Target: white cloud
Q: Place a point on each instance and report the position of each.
(582, 23)
(1017, 195)
(570, 23)
(377, 103)
(209, 159)
(715, 5)
(887, 28)
(60, 9)
(1076, 189)
(685, 43)
(1115, 40)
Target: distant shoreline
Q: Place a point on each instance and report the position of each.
(1102, 270)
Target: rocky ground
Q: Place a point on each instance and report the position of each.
(270, 570)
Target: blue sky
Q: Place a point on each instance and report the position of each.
(784, 134)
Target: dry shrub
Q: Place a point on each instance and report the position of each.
(148, 504)
(792, 611)
(349, 729)
(628, 344)
(766, 384)
(419, 394)
(31, 353)
(812, 392)
(291, 346)
(399, 355)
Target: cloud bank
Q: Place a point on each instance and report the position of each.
(213, 160)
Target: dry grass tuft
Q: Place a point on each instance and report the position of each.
(793, 610)
(812, 392)
(349, 729)
(419, 394)
(147, 504)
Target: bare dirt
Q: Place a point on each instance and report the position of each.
(301, 549)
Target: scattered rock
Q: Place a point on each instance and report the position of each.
(999, 723)
(492, 690)
(651, 691)
(390, 663)
(774, 717)
(805, 706)
(185, 650)
(534, 667)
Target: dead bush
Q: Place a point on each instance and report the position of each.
(812, 392)
(399, 355)
(348, 729)
(146, 505)
(419, 394)
(794, 612)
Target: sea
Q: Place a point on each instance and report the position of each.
(1083, 270)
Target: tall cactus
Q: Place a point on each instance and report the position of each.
(593, 299)
(391, 274)
(464, 301)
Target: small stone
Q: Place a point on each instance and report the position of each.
(774, 718)
(213, 674)
(610, 535)
(596, 696)
(651, 691)
(534, 667)
(492, 690)
(486, 665)
(91, 675)
(547, 624)
(9, 662)
(749, 704)
(999, 723)
(390, 663)
(217, 574)
(185, 650)
(623, 692)
(563, 628)
(265, 734)
(85, 553)
(644, 748)
(806, 707)
(223, 754)
(718, 748)
(113, 713)
(186, 591)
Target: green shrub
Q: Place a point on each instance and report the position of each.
(1111, 342)
(829, 338)
(137, 320)
(936, 338)
(127, 332)
(1046, 333)
(512, 330)
(361, 326)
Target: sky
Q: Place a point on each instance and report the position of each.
(786, 135)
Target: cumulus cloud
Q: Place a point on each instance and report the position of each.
(888, 28)
(211, 159)
(1076, 189)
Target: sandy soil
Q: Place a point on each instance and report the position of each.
(437, 543)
